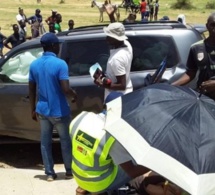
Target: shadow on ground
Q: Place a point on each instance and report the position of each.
(26, 155)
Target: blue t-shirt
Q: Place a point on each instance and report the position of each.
(46, 72)
(35, 18)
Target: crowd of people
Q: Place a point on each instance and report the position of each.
(49, 81)
(148, 9)
(97, 161)
(21, 32)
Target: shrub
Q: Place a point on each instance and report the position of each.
(182, 4)
(210, 5)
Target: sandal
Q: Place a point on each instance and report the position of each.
(80, 191)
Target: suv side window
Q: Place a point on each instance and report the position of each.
(149, 51)
(16, 68)
(81, 55)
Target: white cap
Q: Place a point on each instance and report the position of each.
(116, 30)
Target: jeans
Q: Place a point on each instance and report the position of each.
(61, 124)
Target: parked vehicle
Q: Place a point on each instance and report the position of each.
(83, 47)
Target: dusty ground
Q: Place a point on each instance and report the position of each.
(25, 155)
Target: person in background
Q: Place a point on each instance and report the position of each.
(52, 18)
(181, 18)
(143, 9)
(119, 62)
(48, 92)
(57, 26)
(51, 27)
(130, 19)
(156, 10)
(101, 165)
(109, 10)
(36, 23)
(71, 24)
(16, 38)
(202, 58)
(151, 10)
(22, 20)
(147, 11)
(164, 18)
(2, 38)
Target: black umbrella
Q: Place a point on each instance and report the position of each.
(170, 130)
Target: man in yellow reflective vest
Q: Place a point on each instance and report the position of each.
(100, 164)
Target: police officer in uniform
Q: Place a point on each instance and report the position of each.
(202, 58)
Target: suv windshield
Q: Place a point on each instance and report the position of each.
(16, 68)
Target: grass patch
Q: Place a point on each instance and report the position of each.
(82, 13)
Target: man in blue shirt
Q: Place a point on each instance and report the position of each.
(49, 81)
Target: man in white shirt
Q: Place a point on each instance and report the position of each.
(22, 20)
(119, 62)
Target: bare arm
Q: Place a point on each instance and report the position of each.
(6, 44)
(47, 21)
(207, 86)
(134, 170)
(32, 98)
(69, 92)
(186, 78)
(119, 85)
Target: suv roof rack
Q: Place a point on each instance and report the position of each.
(128, 26)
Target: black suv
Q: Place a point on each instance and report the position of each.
(83, 47)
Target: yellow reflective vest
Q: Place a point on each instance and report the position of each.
(93, 168)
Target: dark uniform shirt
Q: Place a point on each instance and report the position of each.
(202, 58)
(15, 39)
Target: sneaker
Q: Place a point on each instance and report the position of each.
(68, 176)
(80, 191)
(51, 177)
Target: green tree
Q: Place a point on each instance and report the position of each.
(210, 5)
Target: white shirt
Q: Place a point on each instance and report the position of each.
(119, 63)
(20, 17)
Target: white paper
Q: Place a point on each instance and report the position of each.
(93, 69)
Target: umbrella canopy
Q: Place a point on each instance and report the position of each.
(170, 130)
